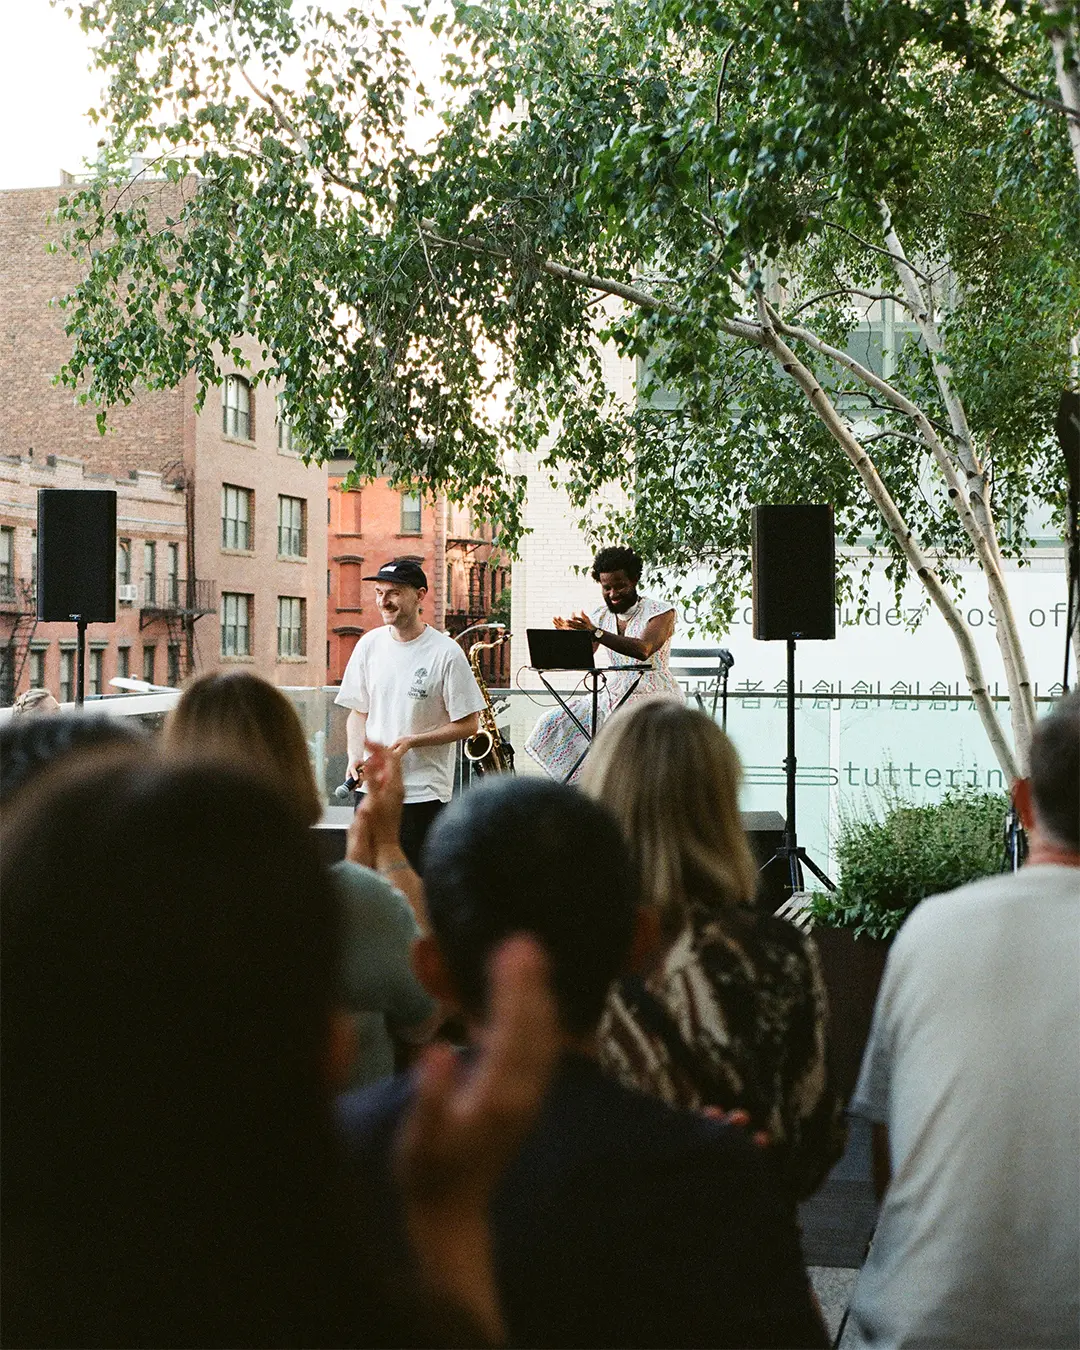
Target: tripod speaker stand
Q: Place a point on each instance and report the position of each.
(790, 849)
(794, 593)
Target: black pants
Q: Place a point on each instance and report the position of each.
(416, 819)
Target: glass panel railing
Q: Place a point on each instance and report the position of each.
(854, 753)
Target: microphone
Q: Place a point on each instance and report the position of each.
(346, 789)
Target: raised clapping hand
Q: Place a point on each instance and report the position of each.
(578, 620)
(376, 823)
(466, 1124)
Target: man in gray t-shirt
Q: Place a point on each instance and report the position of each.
(972, 1078)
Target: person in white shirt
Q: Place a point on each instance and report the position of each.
(972, 1080)
(409, 687)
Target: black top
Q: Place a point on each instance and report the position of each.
(622, 1222)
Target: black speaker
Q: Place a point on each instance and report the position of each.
(76, 550)
(794, 573)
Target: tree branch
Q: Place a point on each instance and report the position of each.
(851, 290)
(607, 285)
(874, 248)
(1050, 104)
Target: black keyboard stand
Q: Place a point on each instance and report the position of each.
(594, 679)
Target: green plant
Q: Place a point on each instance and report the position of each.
(889, 862)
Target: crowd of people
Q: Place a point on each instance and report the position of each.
(205, 1141)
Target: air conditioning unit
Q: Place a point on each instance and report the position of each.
(127, 595)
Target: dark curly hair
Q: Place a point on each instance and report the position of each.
(617, 560)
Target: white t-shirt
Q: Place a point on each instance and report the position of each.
(973, 1064)
(409, 687)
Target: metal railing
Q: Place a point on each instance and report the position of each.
(179, 595)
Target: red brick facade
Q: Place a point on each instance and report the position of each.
(374, 523)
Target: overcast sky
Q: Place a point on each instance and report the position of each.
(46, 88)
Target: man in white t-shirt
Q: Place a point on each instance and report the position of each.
(972, 1080)
(409, 687)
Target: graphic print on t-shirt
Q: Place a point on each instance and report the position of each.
(418, 689)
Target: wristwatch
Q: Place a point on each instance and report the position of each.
(598, 634)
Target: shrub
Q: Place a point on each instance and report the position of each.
(888, 863)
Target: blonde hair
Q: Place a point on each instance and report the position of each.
(671, 777)
(235, 715)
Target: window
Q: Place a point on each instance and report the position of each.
(96, 682)
(237, 511)
(123, 562)
(123, 663)
(291, 636)
(235, 624)
(7, 562)
(150, 571)
(292, 527)
(236, 408)
(172, 574)
(286, 438)
(173, 658)
(148, 657)
(37, 669)
(67, 676)
(349, 511)
(410, 513)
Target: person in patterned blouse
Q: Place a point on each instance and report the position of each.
(634, 629)
(732, 1013)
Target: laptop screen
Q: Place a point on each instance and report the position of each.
(560, 648)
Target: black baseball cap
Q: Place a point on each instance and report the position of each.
(403, 572)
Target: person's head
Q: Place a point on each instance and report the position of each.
(523, 855)
(29, 745)
(168, 1015)
(1049, 799)
(618, 570)
(400, 587)
(671, 778)
(35, 701)
(242, 717)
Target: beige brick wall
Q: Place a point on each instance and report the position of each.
(38, 418)
(40, 421)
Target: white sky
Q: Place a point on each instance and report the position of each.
(46, 90)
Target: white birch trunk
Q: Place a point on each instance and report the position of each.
(971, 498)
(1065, 43)
(912, 551)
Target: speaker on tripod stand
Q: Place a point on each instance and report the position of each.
(794, 600)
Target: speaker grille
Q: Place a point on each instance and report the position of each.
(76, 541)
(794, 573)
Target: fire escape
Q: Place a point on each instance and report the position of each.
(178, 603)
(18, 613)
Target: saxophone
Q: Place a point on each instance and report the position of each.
(487, 751)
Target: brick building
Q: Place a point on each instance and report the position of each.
(151, 522)
(373, 523)
(231, 572)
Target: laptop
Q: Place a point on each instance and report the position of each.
(560, 648)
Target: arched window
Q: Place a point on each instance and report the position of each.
(236, 408)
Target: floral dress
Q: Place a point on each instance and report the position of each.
(556, 744)
(735, 1017)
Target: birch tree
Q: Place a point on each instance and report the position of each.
(738, 183)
